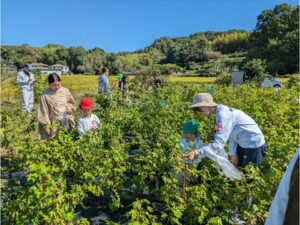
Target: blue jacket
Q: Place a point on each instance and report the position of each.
(185, 146)
(103, 84)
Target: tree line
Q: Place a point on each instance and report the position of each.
(275, 40)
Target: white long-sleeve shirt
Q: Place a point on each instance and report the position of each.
(236, 126)
(23, 80)
(85, 124)
(278, 208)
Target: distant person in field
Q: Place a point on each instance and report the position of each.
(103, 82)
(56, 104)
(157, 81)
(88, 122)
(26, 81)
(246, 141)
(122, 85)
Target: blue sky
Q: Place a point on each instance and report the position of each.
(122, 25)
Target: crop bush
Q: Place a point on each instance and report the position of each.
(136, 153)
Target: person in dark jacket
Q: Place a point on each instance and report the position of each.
(157, 81)
(122, 85)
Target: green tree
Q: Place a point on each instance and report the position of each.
(19, 55)
(188, 50)
(164, 45)
(48, 55)
(254, 69)
(94, 60)
(132, 62)
(230, 42)
(276, 39)
(75, 57)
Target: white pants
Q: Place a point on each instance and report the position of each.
(27, 99)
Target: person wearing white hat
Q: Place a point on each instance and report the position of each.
(246, 140)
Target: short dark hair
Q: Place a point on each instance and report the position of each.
(104, 69)
(53, 77)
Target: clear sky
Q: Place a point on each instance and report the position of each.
(122, 25)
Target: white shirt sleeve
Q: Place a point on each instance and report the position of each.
(32, 77)
(278, 208)
(80, 128)
(226, 126)
(201, 144)
(232, 146)
(20, 79)
(97, 121)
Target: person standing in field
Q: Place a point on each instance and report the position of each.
(56, 104)
(157, 81)
(26, 81)
(103, 82)
(246, 141)
(122, 85)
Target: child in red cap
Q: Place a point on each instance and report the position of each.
(87, 122)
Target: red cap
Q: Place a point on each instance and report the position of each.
(86, 103)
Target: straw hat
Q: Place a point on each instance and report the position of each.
(202, 99)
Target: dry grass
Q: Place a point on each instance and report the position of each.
(89, 83)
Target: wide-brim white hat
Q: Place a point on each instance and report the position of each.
(202, 99)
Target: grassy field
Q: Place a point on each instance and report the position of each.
(89, 83)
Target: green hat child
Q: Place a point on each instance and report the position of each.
(190, 126)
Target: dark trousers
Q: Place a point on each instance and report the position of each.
(247, 155)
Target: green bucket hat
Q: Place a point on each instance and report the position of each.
(190, 126)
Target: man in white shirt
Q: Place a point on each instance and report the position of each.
(26, 81)
(246, 141)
